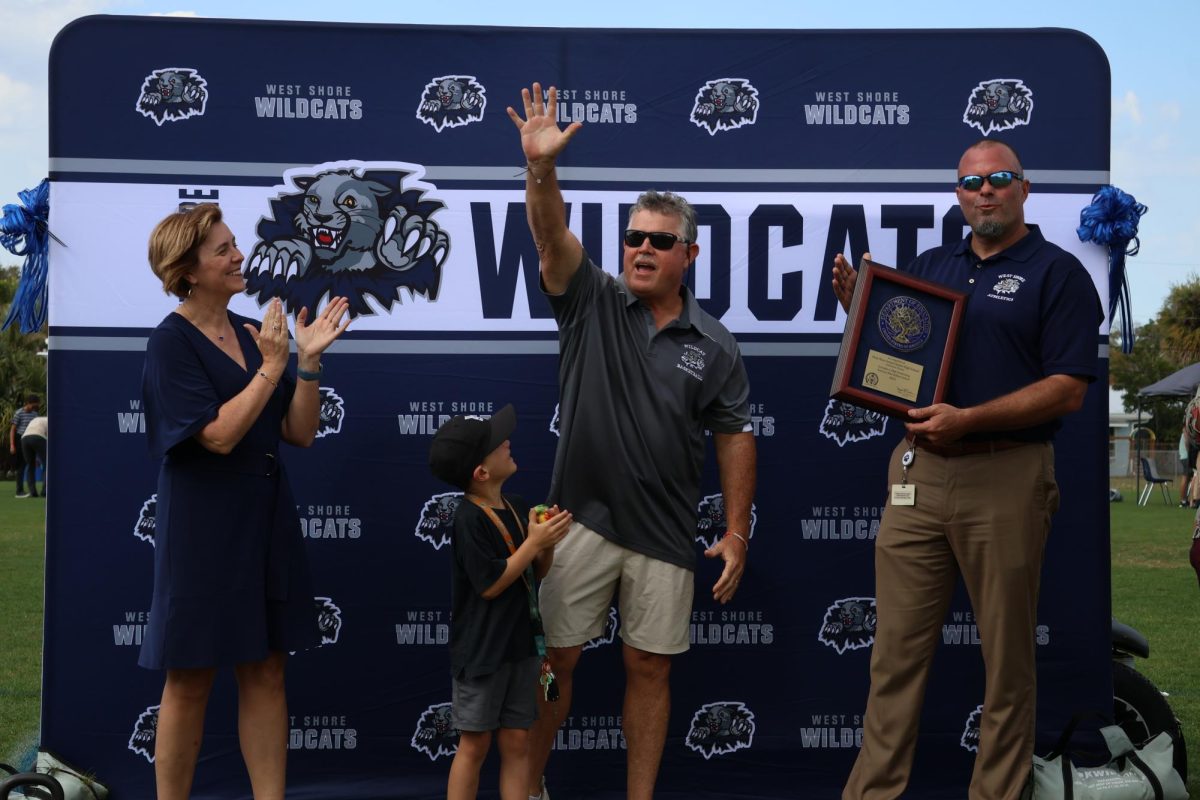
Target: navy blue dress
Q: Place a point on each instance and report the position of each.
(231, 579)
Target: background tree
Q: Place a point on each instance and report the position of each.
(1168, 342)
(1179, 321)
(22, 370)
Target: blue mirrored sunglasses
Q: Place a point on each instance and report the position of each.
(973, 183)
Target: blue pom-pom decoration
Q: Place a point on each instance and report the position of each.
(1112, 221)
(25, 231)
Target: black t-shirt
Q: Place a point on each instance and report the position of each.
(485, 634)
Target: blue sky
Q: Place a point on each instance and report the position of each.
(1155, 77)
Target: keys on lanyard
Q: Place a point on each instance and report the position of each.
(548, 682)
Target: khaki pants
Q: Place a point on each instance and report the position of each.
(987, 517)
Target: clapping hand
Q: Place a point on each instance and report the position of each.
(272, 338)
(312, 340)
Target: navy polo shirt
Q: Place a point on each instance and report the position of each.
(634, 403)
(1032, 311)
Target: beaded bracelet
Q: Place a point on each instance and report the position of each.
(270, 380)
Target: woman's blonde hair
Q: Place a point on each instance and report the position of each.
(175, 245)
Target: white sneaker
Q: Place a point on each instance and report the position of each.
(22, 495)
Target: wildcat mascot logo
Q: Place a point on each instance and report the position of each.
(436, 735)
(436, 524)
(451, 101)
(720, 728)
(329, 620)
(333, 411)
(725, 104)
(845, 422)
(144, 528)
(711, 523)
(172, 94)
(999, 104)
(849, 624)
(970, 734)
(141, 741)
(349, 230)
(610, 632)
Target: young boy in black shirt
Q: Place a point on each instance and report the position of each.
(494, 656)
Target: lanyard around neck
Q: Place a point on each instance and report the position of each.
(527, 574)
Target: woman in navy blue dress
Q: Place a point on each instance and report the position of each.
(231, 581)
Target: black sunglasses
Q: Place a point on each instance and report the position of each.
(659, 241)
(973, 183)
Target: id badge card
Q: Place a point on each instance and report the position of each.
(904, 494)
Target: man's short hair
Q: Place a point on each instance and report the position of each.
(670, 204)
(32, 399)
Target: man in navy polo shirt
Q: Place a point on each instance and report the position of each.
(982, 465)
(643, 372)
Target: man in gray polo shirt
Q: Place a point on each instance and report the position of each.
(643, 372)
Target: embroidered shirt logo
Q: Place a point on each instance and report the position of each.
(691, 361)
(1006, 286)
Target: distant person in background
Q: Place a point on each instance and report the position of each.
(231, 579)
(33, 449)
(20, 421)
(1195, 553)
(1187, 454)
(1191, 437)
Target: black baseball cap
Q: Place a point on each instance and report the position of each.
(463, 442)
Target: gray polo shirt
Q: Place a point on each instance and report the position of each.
(634, 403)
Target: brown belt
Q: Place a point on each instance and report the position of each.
(967, 448)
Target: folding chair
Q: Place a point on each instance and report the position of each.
(1151, 476)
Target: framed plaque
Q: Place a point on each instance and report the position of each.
(899, 342)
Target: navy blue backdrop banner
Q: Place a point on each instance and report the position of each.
(793, 145)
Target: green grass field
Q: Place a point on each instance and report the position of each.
(1153, 588)
(22, 557)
